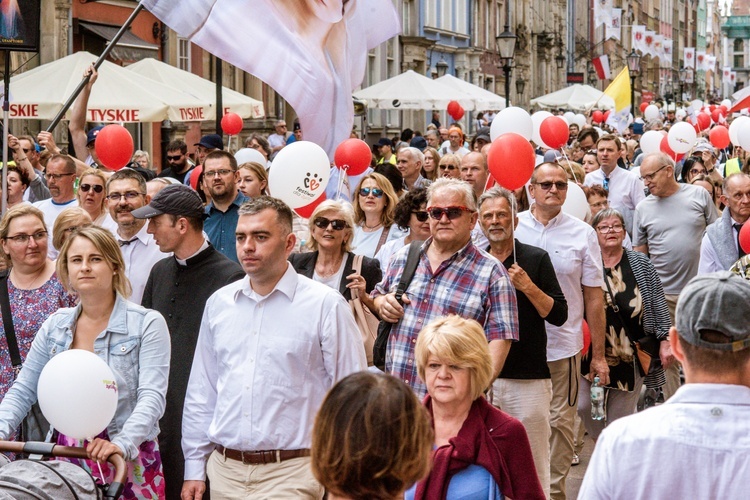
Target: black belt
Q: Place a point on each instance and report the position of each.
(262, 457)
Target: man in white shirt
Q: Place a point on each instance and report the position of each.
(625, 188)
(455, 143)
(409, 162)
(695, 445)
(277, 141)
(126, 191)
(61, 176)
(720, 246)
(270, 346)
(574, 250)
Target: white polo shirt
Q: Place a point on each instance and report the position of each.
(626, 190)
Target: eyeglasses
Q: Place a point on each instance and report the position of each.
(376, 192)
(561, 186)
(421, 215)
(696, 171)
(23, 239)
(174, 158)
(56, 177)
(336, 224)
(617, 228)
(129, 196)
(214, 173)
(450, 212)
(449, 167)
(88, 187)
(650, 177)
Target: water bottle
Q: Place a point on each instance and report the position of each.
(597, 400)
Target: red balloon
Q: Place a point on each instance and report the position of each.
(511, 160)
(598, 116)
(712, 107)
(606, 114)
(459, 113)
(724, 110)
(306, 211)
(353, 156)
(114, 146)
(697, 128)
(586, 337)
(231, 124)
(704, 121)
(643, 107)
(453, 108)
(745, 238)
(194, 175)
(716, 115)
(554, 132)
(719, 136)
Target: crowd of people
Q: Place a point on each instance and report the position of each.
(243, 368)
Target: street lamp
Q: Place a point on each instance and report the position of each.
(634, 68)
(442, 67)
(683, 76)
(520, 85)
(506, 46)
(560, 60)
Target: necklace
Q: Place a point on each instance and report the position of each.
(327, 273)
(372, 227)
(29, 285)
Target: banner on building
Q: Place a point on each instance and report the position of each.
(602, 12)
(657, 50)
(649, 41)
(725, 74)
(689, 56)
(614, 26)
(639, 35)
(19, 25)
(700, 60)
(710, 63)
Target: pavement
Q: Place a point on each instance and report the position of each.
(575, 476)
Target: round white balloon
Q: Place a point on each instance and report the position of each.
(300, 173)
(727, 103)
(650, 142)
(576, 203)
(680, 114)
(246, 155)
(580, 120)
(569, 117)
(734, 127)
(77, 393)
(512, 119)
(743, 136)
(681, 137)
(536, 122)
(652, 112)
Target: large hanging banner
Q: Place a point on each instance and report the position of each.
(19, 25)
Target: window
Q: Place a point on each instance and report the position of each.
(739, 61)
(739, 45)
(183, 53)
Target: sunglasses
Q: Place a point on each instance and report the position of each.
(561, 186)
(449, 167)
(421, 215)
(88, 187)
(376, 192)
(173, 158)
(336, 224)
(450, 212)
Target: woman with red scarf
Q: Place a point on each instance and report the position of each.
(480, 452)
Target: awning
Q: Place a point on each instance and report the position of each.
(128, 48)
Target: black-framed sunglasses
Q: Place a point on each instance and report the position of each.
(450, 212)
(88, 187)
(561, 186)
(336, 224)
(421, 215)
(376, 192)
(174, 158)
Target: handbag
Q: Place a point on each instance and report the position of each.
(646, 348)
(34, 426)
(384, 328)
(367, 322)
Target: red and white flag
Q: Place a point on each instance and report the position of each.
(312, 53)
(601, 65)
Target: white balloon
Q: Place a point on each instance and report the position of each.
(576, 203)
(651, 112)
(512, 119)
(580, 120)
(680, 114)
(299, 174)
(650, 142)
(727, 103)
(681, 137)
(77, 393)
(536, 122)
(696, 104)
(569, 117)
(743, 136)
(734, 127)
(245, 155)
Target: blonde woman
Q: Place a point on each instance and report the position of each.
(253, 180)
(374, 211)
(92, 197)
(69, 221)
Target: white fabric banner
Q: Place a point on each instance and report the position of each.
(614, 27)
(700, 60)
(657, 50)
(602, 12)
(689, 56)
(649, 41)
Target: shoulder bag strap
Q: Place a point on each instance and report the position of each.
(383, 238)
(356, 268)
(412, 260)
(10, 332)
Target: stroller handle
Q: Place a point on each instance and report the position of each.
(53, 450)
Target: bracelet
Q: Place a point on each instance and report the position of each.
(22, 159)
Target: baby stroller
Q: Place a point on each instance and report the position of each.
(35, 479)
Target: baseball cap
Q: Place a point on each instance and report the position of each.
(91, 134)
(384, 141)
(418, 142)
(211, 141)
(483, 134)
(176, 199)
(717, 302)
(552, 155)
(703, 145)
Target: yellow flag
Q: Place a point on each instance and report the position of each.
(619, 90)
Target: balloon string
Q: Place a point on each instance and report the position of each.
(570, 167)
(99, 466)
(514, 214)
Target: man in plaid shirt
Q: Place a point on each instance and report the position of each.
(452, 277)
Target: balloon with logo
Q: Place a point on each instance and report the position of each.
(231, 123)
(681, 137)
(306, 211)
(77, 393)
(512, 120)
(575, 202)
(554, 132)
(536, 122)
(353, 156)
(511, 160)
(719, 136)
(114, 146)
(300, 173)
(651, 112)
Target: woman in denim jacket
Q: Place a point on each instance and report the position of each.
(132, 340)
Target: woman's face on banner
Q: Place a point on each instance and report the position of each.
(330, 11)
